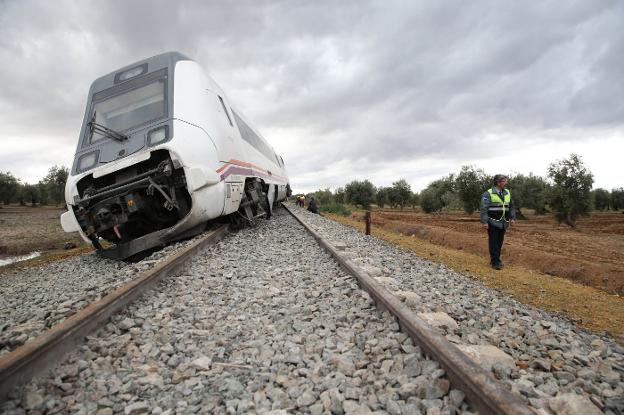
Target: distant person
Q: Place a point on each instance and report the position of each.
(497, 214)
(301, 201)
(313, 206)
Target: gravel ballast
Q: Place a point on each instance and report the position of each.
(35, 299)
(555, 367)
(263, 322)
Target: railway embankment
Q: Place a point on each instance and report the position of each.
(263, 321)
(552, 357)
(266, 321)
(588, 306)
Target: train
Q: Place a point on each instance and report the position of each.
(162, 152)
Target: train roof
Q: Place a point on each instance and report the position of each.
(163, 60)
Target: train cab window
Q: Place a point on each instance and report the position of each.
(227, 114)
(282, 160)
(129, 109)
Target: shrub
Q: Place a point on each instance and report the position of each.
(336, 208)
(322, 196)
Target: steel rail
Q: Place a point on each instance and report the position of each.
(48, 348)
(483, 391)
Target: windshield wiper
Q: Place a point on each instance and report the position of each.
(94, 127)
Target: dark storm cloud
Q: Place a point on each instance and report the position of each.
(358, 83)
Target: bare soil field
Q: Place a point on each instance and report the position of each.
(592, 254)
(24, 229)
(547, 265)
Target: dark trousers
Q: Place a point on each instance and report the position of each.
(495, 243)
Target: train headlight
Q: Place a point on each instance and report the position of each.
(158, 135)
(131, 73)
(87, 161)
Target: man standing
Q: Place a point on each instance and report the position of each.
(497, 213)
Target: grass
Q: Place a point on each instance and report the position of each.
(588, 307)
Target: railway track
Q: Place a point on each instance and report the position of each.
(39, 354)
(483, 391)
(248, 328)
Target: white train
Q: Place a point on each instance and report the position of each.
(161, 152)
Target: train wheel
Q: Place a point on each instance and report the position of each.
(264, 204)
(254, 204)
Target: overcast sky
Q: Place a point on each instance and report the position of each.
(344, 89)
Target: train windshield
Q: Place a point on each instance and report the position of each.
(131, 109)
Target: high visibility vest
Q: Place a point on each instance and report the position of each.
(499, 208)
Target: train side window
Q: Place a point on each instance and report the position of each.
(227, 114)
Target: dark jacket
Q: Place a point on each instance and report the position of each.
(485, 205)
(313, 207)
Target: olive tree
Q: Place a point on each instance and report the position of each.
(617, 198)
(601, 199)
(470, 183)
(414, 200)
(52, 186)
(571, 191)
(360, 193)
(529, 192)
(381, 197)
(400, 194)
(339, 195)
(9, 187)
(30, 193)
(438, 194)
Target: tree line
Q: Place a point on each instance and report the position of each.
(566, 191)
(48, 191)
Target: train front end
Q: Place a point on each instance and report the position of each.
(129, 184)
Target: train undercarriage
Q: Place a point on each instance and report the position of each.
(134, 209)
(131, 203)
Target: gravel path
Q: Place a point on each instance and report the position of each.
(35, 299)
(557, 365)
(263, 322)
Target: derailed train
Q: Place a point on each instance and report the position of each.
(161, 152)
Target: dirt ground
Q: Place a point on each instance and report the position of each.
(592, 254)
(24, 229)
(575, 272)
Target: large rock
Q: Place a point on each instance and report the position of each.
(34, 399)
(340, 246)
(573, 404)
(371, 270)
(126, 324)
(153, 379)
(410, 298)
(332, 401)
(202, 363)
(487, 356)
(439, 319)
(136, 408)
(344, 364)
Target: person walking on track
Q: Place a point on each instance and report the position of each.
(497, 214)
